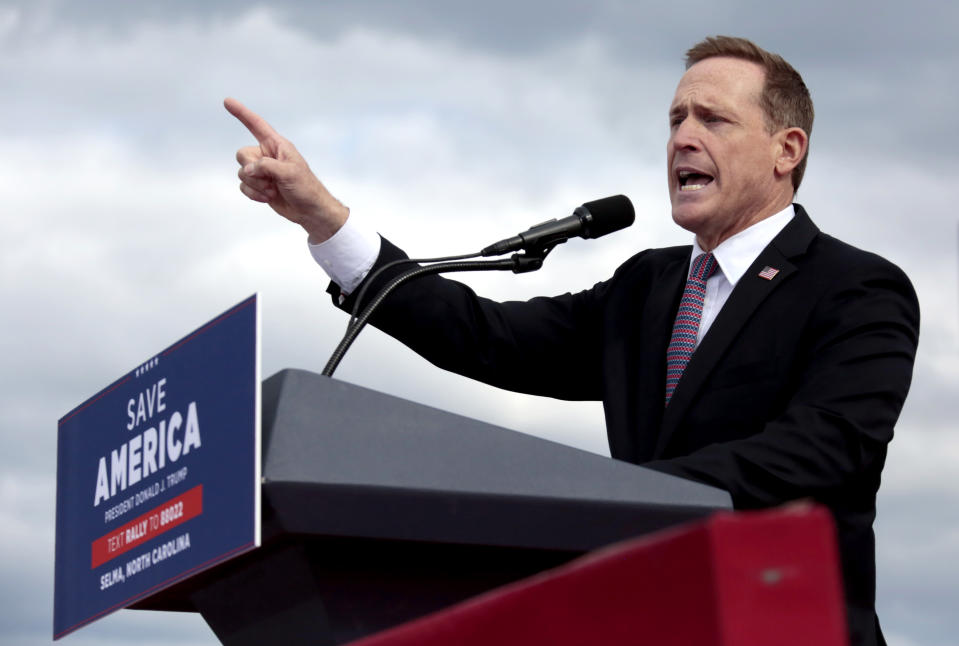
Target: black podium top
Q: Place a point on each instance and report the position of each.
(344, 460)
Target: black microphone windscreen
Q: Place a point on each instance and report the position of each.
(607, 215)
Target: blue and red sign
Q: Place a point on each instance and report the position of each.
(158, 475)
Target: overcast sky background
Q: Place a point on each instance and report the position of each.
(448, 125)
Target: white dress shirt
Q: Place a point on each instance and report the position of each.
(734, 256)
(350, 253)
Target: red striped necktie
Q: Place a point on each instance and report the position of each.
(683, 341)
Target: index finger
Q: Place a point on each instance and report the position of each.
(256, 124)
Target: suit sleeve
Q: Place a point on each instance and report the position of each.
(544, 346)
(830, 438)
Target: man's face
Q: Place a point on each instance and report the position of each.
(720, 155)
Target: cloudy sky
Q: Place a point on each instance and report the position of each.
(448, 125)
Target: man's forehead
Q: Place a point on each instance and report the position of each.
(719, 82)
(700, 99)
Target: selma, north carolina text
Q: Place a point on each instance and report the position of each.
(135, 566)
(148, 452)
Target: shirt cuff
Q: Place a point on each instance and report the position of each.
(348, 255)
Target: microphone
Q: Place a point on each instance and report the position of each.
(591, 220)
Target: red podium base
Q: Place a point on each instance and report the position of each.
(743, 579)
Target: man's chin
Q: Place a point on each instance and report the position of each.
(689, 218)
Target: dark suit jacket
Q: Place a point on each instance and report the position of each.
(793, 393)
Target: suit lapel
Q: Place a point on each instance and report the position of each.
(751, 290)
(660, 310)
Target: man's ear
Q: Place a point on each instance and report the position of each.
(793, 143)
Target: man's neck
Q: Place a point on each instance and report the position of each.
(710, 240)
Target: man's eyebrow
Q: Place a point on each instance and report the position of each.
(698, 107)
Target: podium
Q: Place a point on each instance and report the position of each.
(377, 511)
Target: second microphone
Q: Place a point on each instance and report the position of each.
(591, 220)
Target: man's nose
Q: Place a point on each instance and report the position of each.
(685, 135)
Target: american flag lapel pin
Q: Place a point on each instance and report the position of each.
(768, 272)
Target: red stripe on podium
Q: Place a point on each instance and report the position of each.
(737, 579)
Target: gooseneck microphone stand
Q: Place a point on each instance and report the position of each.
(517, 263)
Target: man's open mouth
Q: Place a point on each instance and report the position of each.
(691, 180)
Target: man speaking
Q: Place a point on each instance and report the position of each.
(769, 359)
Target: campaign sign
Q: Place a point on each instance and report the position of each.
(158, 474)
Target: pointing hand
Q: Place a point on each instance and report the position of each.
(275, 173)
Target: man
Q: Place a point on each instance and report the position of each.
(804, 345)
